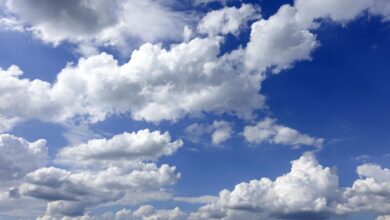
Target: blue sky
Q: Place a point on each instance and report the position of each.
(320, 136)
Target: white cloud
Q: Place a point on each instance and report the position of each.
(279, 41)
(105, 172)
(383, 217)
(220, 131)
(145, 212)
(339, 11)
(308, 191)
(21, 99)
(370, 192)
(148, 212)
(270, 132)
(12, 206)
(228, 20)
(281, 198)
(137, 146)
(99, 22)
(71, 193)
(152, 86)
(19, 157)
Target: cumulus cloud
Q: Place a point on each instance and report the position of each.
(100, 23)
(152, 86)
(228, 20)
(148, 212)
(279, 42)
(145, 212)
(19, 157)
(220, 131)
(269, 131)
(105, 171)
(137, 146)
(71, 193)
(371, 192)
(155, 79)
(338, 11)
(283, 198)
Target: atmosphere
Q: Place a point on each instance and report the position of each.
(194, 109)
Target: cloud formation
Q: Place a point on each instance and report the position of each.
(228, 20)
(19, 157)
(139, 146)
(308, 191)
(269, 131)
(219, 131)
(105, 171)
(98, 23)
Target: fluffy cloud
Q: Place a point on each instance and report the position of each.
(70, 193)
(282, 198)
(136, 146)
(105, 171)
(152, 86)
(279, 41)
(371, 192)
(220, 131)
(21, 99)
(155, 79)
(19, 157)
(146, 212)
(338, 11)
(228, 20)
(98, 22)
(270, 132)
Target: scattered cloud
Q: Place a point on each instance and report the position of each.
(228, 20)
(268, 131)
(98, 23)
(19, 157)
(282, 198)
(219, 131)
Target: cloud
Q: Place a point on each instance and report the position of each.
(279, 42)
(338, 11)
(19, 157)
(270, 132)
(100, 23)
(105, 171)
(137, 146)
(152, 86)
(371, 192)
(228, 20)
(156, 80)
(148, 212)
(220, 131)
(71, 193)
(282, 198)
(145, 212)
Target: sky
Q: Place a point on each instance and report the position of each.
(194, 109)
